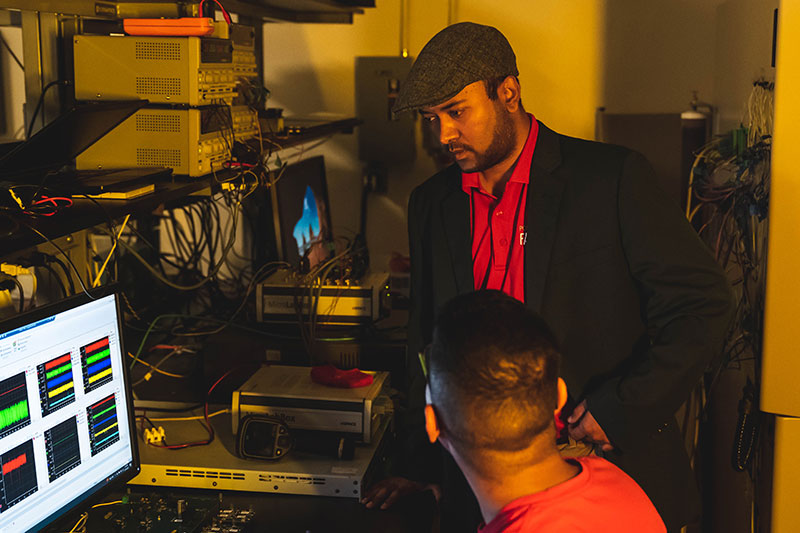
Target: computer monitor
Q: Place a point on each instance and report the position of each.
(66, 424)
(302, 214)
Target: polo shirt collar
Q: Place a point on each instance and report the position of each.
(522, 168)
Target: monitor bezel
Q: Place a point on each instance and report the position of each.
(40, 313)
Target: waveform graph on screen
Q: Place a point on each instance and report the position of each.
(18, 475)
(14, 412)
(103, 424)
(96, 363)
(56, 386)
(63, 450)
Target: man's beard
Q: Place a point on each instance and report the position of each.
(500, 148)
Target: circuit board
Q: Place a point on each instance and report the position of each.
(156, 513)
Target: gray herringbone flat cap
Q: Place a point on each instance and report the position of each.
(455, 57)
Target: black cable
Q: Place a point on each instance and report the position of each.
(160, 256)
(175, 252)
(10, 51)
(21, 293)
(201, 232)
(67, 273)
(209, 213)
(41, 101)
(215, 239)
(229, 115)
(746, 434)
(209, 217)
(55, 276)
(63, 253)
(144, 417)
(112, 232)
(190, 236)
(181, 245)
(13, 225)
(170, 410)
(188, 249)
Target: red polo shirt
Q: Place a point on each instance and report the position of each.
(498, 226)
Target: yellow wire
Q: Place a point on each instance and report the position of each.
(106, 503)
(85, 516)
(188, 418)
(113, 247)
(694, 212)
(699, 157)
(80, 521)
(155, 369)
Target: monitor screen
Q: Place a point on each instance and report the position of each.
(303, 223)
(66, 428)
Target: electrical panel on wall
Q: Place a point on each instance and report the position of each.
(383, 137)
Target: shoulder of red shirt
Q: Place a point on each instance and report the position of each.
(592, 501)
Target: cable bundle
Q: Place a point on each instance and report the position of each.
(728, 203)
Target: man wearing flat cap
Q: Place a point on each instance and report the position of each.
(581, 233)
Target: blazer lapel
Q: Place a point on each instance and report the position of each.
(455, 218)
(541, 214)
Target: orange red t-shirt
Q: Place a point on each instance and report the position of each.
(600, 499)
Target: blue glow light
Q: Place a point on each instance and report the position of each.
(307, 230)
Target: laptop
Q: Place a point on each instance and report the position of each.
(42, 157)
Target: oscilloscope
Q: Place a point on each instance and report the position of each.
(66, 428)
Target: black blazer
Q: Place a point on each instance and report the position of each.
(636, 300)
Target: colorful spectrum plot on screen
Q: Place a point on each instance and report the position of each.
(56, 386)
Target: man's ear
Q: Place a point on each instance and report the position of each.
(562, 396)
(431, 424)
(510, 93)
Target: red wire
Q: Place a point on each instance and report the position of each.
(209, 428)
(164, 347)
(224, 12)
(49, 202)
(208, 395)
(54, 200)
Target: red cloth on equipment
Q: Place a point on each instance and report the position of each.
(346, 379)
(600, 499)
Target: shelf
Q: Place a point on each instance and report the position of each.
(280, 142)
(321, 11)
(86, 213)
